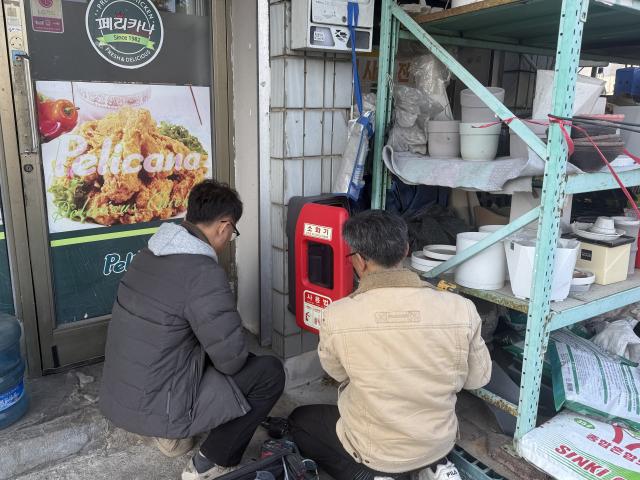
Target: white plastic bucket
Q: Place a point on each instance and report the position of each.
(474, 110)
(479, 144)
(491, 229)
(444, 139)
(520, 257)
(484, 271)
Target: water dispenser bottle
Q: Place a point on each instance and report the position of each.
(13, 398)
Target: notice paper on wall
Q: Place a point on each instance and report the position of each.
(588, 380)
(46, 16)
(574, 447)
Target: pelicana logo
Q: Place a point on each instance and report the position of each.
(126, 33)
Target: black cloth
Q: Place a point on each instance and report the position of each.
(174, 342)
(313, 428)
(261, 381)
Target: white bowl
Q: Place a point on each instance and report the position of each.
(439, 252)
(583, 282)
(420, 262)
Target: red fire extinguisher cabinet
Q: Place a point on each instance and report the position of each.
(323, 271)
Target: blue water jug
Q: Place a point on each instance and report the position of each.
(13, 398)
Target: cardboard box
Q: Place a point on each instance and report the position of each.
(484, 216)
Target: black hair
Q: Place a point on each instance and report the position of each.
(379, 236)
(210, 201)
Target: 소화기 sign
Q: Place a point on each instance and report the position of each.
(126, 33)
(318, 231)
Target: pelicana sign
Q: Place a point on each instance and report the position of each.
(126, 33)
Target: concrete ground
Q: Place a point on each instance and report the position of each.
(64, 436)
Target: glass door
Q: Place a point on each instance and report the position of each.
(114, 113)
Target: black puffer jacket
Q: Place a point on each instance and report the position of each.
(174, 339)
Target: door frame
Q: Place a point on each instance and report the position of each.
(13, 203)
(23, 197)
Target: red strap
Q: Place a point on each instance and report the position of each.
(570, 146)
(631, 155)
(487, 125)
(567, 138)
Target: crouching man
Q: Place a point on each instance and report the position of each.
(402, 351)
(176, 357)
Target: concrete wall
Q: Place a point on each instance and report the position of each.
(310, 105)
(245, 123)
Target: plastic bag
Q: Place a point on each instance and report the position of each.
(349, 179)
(431, 78)
(412, 140)
(404, 118)
(591, 381)
(409, 99)
(618, 338)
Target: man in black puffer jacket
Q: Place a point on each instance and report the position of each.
(176, 358)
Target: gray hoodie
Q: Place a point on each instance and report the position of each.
(174, 340)
(172, 239)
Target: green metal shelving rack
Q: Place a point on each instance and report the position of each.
(588, 29)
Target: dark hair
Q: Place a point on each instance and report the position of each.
(210, 201)
(378, 236)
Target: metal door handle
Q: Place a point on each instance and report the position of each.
(33, 121)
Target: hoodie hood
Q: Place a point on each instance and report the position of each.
(172, 239)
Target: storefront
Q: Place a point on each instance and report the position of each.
(118, 108)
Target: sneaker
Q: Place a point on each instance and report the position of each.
(447, 471)
(190, 472)
(174, 447)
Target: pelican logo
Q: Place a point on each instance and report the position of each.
(126, 33)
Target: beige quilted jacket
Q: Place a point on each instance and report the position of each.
(403, 350)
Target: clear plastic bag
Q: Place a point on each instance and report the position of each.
(431, 78)
(413, 139)
(618, 338)
(349, 179)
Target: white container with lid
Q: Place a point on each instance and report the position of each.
(479, 144)
(609, 260)
(474, 109)
(444, 138)
(484, 271)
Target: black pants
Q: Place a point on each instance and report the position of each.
(262, 382)
(314, 431)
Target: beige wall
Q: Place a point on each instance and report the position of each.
(246, 140)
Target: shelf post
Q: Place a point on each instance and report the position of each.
(383, 102)
(572, 19)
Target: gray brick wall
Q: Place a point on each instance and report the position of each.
(310, 104)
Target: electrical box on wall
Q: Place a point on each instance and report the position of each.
(322, 25)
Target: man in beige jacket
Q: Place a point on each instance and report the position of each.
(402, 351)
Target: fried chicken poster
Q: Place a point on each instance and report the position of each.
(121, 154)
